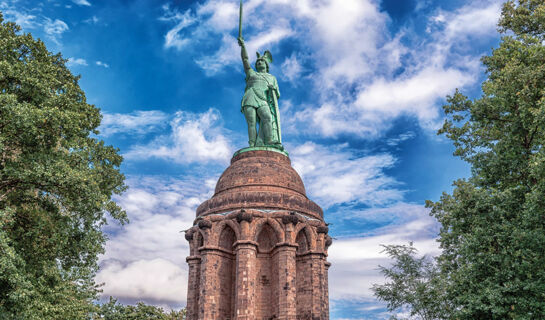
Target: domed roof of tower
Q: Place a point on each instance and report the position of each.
(260, 179)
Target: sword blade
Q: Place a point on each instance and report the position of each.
(240, 20)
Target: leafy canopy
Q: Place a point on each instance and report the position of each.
(493, 224)
(115, 311)
(415, 284)
(56, 183)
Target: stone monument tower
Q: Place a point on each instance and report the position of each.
(258, 246)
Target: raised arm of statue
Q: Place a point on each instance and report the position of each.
(244, 55)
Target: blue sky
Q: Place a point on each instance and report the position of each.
(362, 83)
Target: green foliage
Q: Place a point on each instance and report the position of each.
(493, 224)
(415, 284)
(56, 183)
(115, 311)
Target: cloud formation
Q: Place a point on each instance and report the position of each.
(145, 260)
(152, 280)
(336, 175)
(54, 29)
(192, 138)
(364, 75)
(355, 260)
(76, 62)
(137, 122)
(173, 39)
(82, 3)
(102, 64)
(21, 17)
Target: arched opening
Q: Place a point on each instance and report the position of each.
(266, 278)
(302, 242)
(266, 239)
(227, 238)
(304, 276)
(227, 273)
(200, 239)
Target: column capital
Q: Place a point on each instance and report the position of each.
(286, 246)
(247, 244)
(193, 259)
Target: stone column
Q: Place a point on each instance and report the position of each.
(246, 255)
(194, 263)
(287, 286)
(209, 294)
(326, 291)
(318, 284)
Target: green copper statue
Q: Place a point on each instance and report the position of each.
(260, 101)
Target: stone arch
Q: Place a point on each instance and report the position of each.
(199, 239)
(259, 225)
(303, 244)
(227, 238)
(267, 233)
(218, 228)
(311, 236)
(304, 237)
(266, 238)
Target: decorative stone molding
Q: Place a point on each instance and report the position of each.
(204, 224)
(244, 216)
(322, 229)
(291, 218)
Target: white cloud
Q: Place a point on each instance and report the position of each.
(55, 27)
(392, 214)
(193, 138)
(291, 69)
(145, 259)
(82, 2)
(472, 20)
(92, 20)
(392, 142)
(355, 260)
(220, 15)
(182, 20)
(138, 122)
(364, 76)
(102, 64)
(76, 62)
(335, 175)
(23, 19)
(376, 104)
(229, 52)
(432, 70)
(156, 279)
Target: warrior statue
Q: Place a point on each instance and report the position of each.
(260, 101)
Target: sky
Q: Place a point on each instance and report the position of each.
(362, 81)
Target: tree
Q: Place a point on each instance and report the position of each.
(56, 183)
(115, 311)
(415, 284)
(493, 224)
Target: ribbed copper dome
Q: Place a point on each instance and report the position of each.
(263, 180)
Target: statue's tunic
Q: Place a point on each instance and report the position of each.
(257, 84)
